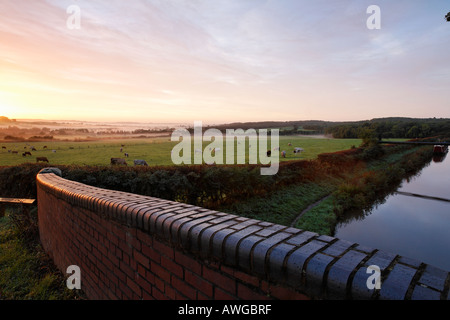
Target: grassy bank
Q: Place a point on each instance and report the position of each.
(27, 273)
(282, 206)
(352, 180)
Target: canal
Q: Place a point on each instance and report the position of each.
(407, 224)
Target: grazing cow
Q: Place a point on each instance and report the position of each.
(53, 151)
(126, 154)
(43, 159)
(15, 152)
(26, 153)
(3, 147)
(140, 163)
(283, 154)
(290, 144)
(33, 149)
(298, 150)
(118, 161)
(45, 147)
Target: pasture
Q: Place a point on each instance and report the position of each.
(155, 151)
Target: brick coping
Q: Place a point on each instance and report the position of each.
(319, 266)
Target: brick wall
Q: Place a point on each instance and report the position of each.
(136, 247)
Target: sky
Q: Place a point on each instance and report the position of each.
(221, 61)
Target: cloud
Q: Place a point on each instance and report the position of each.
(240, 58)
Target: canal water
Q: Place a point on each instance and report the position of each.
(411, 226)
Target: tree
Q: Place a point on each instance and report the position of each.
(368, 136)
(413, 132)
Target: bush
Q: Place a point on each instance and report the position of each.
(372, 151)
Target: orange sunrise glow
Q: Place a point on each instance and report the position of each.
(221, 62)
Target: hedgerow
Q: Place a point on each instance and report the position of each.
(202, 185)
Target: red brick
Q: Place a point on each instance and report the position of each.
(161, 285)
(185, 289)
(111, 256)
(160, 272)
(188, 262)
(126, 258)
(222, 281)
(112, 238)
(126, 269)
(163, 249)
(144, 238)
(170, 293)
(199, 283)
(147, 296)
(228, 270)
(132, 241)
(143, 283)
(264, 286)
(151, 253)
(173, 267)
(141, 271)
(252, 280)
(141, 259)
(102, 249)
(284, 293)
(158, 295)
(125, 247)
(108, 264)
(220, 294)
(247, 293)
(127, 293)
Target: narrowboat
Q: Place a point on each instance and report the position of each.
(440, 149)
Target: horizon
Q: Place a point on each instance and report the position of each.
(65, 121)
(176, 61)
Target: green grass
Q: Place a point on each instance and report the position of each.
(156, 151)
(26, 272)
(320, 219)
(282, 206)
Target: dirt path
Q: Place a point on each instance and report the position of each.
(307, 209)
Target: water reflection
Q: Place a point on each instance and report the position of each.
(439, 157)
(415, 227)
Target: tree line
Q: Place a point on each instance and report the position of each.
(384, 128)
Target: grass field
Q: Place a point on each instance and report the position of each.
(27, 273)
(156, 151)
